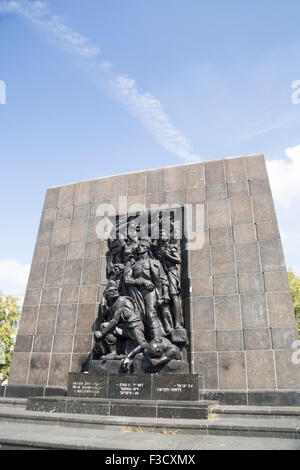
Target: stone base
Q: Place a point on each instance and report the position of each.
(25, 391)
(140, 365)
(134, 408)
(177, 387)
(253, 397)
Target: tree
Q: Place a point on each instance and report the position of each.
(9, 316)
(295, 291)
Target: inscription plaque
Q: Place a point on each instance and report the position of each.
(88, 385)
(137, 387)
(175, 387)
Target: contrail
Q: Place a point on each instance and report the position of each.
(144, 106)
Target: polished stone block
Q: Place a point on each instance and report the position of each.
(87, 385)
(19, 368)
(244, 233)
(223, 261)
(174, 178)
(232, 370)
(224, 285)
(41, 254)
(38, 368)
(203, 313)
(272, 258)
(235, 170)
(23, 343)
(221, 236)
(67, 195)
(256, 167)
(257, 339)
(241, 212)
(260, 187)
(218, 213)
(284, 338)
(254, 311)
(155, 181)
(86, 317)
(200, 262)
(66, 319)
(90, 271)
(137, 387)
(206, 364)
(238, 190)
(63, 343)
(204, 340)
(46, 319)
(57, 252)
(217, 191)
(69, 295)
(227, 309)
(260, 370)
(247, 258)
(267, 231)
(202, 286)
(54, 274)
(32, 297)
(251, 283)
(287, 368)
(194, 175)
(195, 195)
(43, 343)
(229, 340)
(214, 172)
(50, 295)
(36, 276)
(59, 369)
(175, 387)
(83, 343)
(276, 281)
(72, 273)
(263, 208)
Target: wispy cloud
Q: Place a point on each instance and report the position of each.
(284, 178)
(144, 106)
(151, 113)
(284, 175)
(39, 14)
(13, 276)
(259, 128)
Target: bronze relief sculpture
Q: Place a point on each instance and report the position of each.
(140, 325)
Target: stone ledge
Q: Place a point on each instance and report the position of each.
(272, 412)
(118, 408)
(242, 427)
(25, 391)
(253, 397)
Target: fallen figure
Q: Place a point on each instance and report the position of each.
(159, 352)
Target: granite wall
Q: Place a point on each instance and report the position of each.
(237, 303)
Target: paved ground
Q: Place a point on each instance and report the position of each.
(55, 436)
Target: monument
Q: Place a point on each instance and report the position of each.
(165, 284)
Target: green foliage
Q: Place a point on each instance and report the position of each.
(295, 291)
(9, 316)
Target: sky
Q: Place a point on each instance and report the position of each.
(102, 87)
